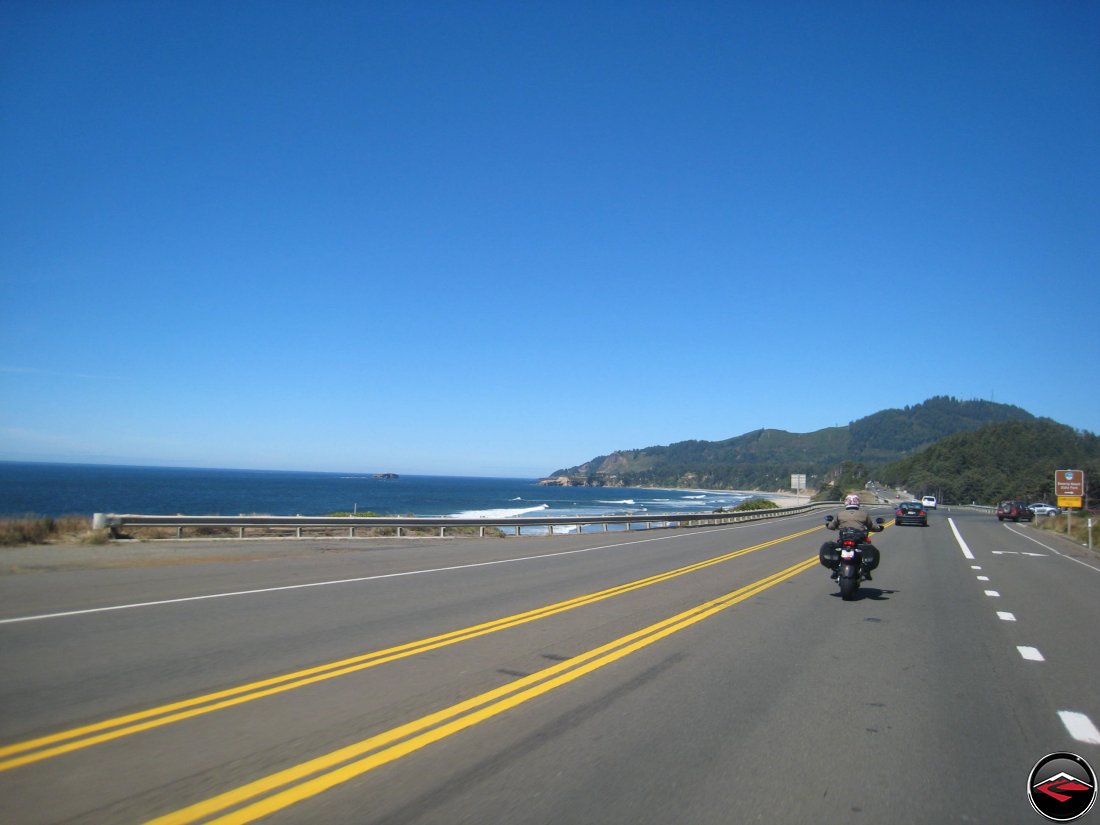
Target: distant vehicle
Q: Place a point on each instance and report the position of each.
(1041, 509)
(1014, 510)
(929, 502)
(911, 512)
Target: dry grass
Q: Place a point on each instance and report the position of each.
(1079, 524)
(31, 529)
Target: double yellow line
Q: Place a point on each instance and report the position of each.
(280, 790)
(46, 747)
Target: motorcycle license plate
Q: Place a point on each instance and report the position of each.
(847, 555)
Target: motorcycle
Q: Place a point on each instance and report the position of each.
(852, 557)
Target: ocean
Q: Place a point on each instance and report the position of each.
(82, 489)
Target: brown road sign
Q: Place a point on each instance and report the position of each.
(1069, 483)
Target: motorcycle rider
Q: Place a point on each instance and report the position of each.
(853, 516)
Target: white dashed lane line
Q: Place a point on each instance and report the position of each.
(1077, 724)
(1080, 727)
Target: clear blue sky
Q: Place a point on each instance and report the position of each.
(504, 238)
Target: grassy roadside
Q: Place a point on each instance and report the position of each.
(1078, 529)
(37, 530)
(17, 532)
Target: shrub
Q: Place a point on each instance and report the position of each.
(31, 529)
(756, 504)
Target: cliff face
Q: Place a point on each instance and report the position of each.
(581, 481)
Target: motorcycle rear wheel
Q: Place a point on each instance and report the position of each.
(848, 588)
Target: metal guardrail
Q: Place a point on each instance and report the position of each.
(116, 522)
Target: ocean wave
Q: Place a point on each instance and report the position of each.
(702, 496)
(622, 501)
(502, 513)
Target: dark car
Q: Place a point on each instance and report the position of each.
(1015, 510)
(911, 512)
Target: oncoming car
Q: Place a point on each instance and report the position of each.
(911, 512)
(929, 502)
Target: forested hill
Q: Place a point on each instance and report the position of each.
(765, 459)
(890, 432)
(1010, 460)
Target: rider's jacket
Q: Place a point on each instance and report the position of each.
(854, 518)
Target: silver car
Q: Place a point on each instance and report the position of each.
(1041, 509)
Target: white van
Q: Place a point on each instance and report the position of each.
(928, 502)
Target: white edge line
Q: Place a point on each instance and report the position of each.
(1051, 549)
(183, 599)
(1080, 727)
(960, 540)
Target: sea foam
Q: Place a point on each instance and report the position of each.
(501, 513)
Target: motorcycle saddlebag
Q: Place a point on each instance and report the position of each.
(869, 556)
(829, 554)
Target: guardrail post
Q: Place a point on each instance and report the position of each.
(179, 532)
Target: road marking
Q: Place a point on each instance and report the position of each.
(310, 778)
(960, 540)
(1080, 727)
(975, 567)
(993, 594)
(1030, 653)
(1005, 616)
(1051, 549)
(983, 578)
(45, 747)
(355, 580)
(1017, 553)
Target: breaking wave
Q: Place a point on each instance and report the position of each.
(501, 513)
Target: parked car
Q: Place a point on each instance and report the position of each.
(911, 512)
(1014, 510)
(1041, 509)
(929, 502)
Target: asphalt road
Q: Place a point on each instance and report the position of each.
(707, 675)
